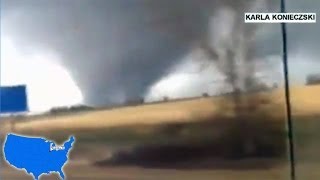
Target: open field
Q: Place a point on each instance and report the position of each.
(83, 172)
(187, 123)
(306, 150)
(305, 101)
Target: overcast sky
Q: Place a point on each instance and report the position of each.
(104, 52)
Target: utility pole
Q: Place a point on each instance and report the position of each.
(287, 94)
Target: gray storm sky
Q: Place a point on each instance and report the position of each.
(116, 50)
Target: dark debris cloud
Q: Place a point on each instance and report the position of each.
(116, 49)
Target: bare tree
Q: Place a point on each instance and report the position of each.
(227, 42)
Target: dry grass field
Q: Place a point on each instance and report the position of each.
(101, 132)
(305, 101)
(85, 172)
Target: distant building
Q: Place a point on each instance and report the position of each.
(165, 98)
(134, 101)
(205, 95)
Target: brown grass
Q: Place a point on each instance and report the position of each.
(74, 171)
(305, 100)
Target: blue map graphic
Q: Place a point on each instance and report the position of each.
(37, 156)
